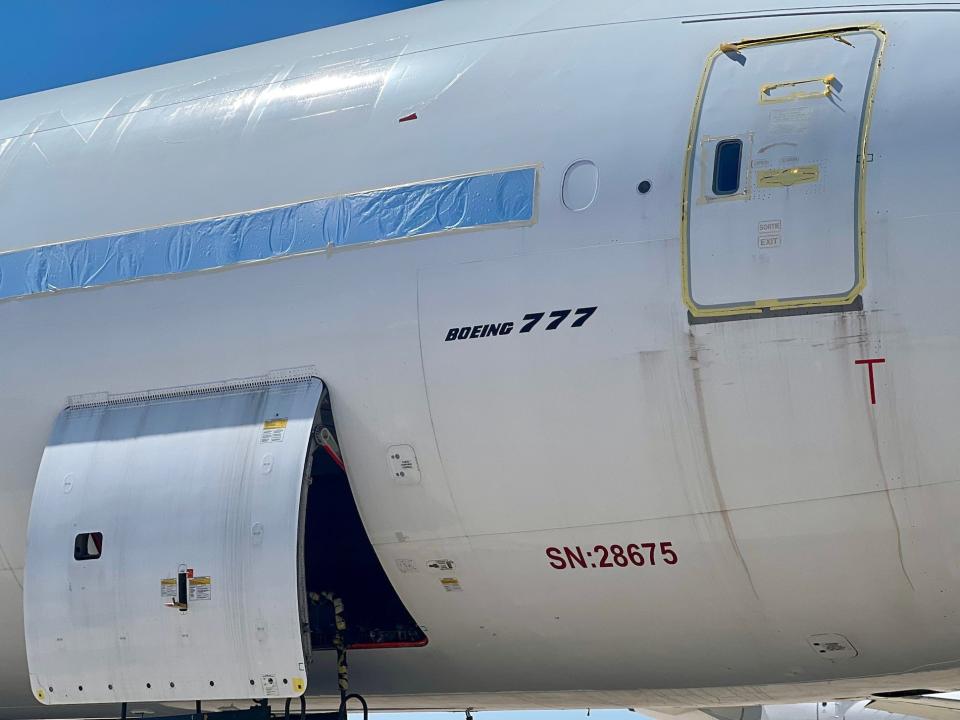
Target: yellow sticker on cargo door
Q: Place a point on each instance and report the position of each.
(168, 588)
(451, 584)
(273, 430)
(198, 588)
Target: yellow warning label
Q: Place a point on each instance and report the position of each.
(168, 587)
(273, 430)
(450, 584)
(199, 587)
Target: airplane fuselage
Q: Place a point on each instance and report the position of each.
(654, 484)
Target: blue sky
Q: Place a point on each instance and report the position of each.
(49, 43)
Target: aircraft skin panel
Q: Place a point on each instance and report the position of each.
(771, 495)
(408, 32)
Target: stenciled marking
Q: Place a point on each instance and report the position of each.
(870, 362)
(502, 198)
(612, 556)
(554, 320)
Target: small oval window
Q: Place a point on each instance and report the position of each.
(726, 167)
(88, 546)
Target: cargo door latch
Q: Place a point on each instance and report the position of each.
(179, 601)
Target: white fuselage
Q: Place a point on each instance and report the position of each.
(794, 506)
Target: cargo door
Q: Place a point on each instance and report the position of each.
(163, 557)
(773, 210)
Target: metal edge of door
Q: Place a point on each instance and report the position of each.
(303, 602)
(757, 307)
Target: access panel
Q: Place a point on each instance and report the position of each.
(773, 211)
(163, 559)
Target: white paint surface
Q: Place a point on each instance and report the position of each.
(797, 508)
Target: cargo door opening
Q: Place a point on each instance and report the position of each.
(340, 563)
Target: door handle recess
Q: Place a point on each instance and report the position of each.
(180, 601)
(821, 87)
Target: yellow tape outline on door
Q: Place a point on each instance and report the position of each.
(757, 307)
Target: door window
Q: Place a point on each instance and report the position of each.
(726, 167)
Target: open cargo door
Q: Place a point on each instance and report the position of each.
(164, 556)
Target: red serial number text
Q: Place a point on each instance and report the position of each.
(610, 556)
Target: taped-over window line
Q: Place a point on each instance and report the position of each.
(401, 212)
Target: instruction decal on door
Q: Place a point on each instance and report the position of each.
(199, 588)
(269, 683)
(441, 565)
(168, 588)
(451, 584)
(273, 430)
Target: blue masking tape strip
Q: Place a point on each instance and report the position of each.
(390, 214)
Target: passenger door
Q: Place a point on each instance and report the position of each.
(773, 208)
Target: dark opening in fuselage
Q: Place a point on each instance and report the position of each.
(340, 563)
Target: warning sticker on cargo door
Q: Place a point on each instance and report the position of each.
(198, 588)
(269, 684)
(441, 565)
(273, 430)
(168, 588)
(451, 584)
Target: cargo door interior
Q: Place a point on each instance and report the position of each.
(176, 551)
(773, 210)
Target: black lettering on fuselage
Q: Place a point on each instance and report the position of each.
(472, 332)
(557, 320)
